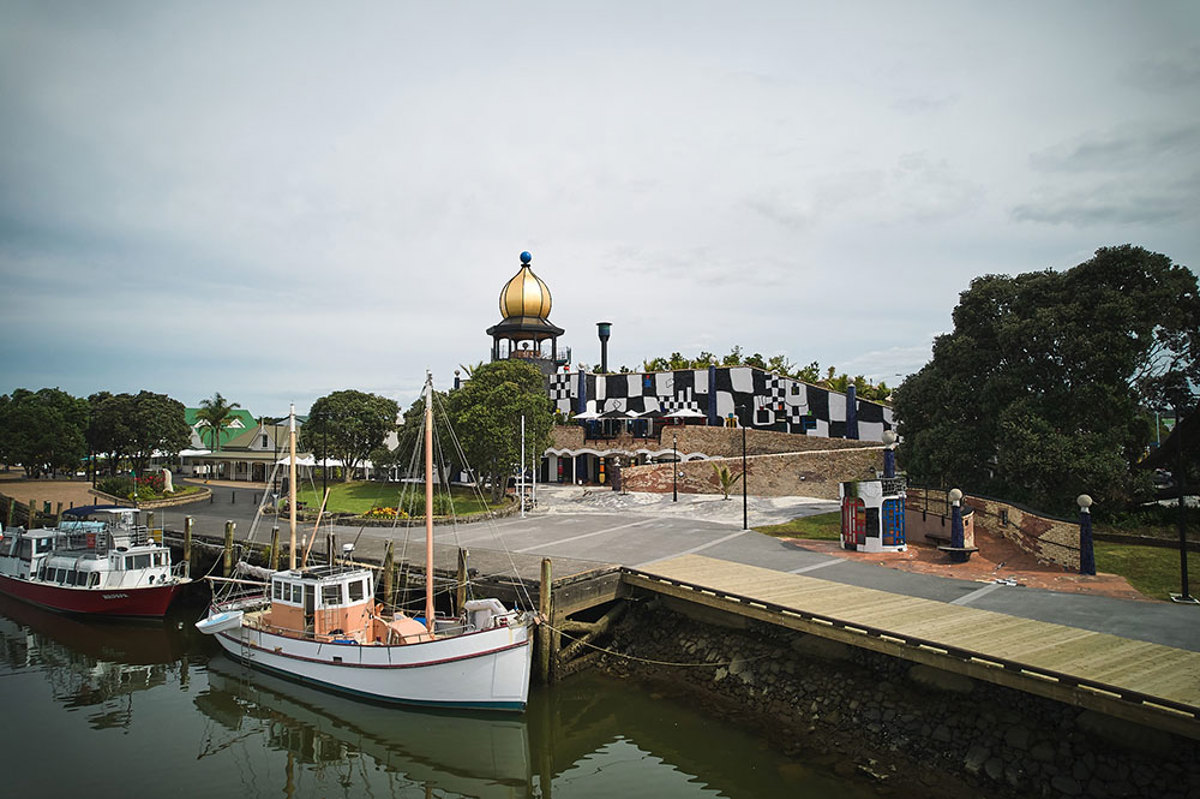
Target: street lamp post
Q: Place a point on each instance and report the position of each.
(675, 467)
(745, 496)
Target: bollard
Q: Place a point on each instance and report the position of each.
(229, 525)
(212, 497)
(274, 562)
(187, 544)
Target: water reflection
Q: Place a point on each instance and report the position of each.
(90, 665)
(468, 756)
(215, 728)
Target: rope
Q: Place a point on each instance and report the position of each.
(649, 661)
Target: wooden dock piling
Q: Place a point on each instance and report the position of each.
(389, 578)
(228, 562)
(545, 608)
(188, 521)
(274, 559)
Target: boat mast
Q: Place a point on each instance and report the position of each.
(429, 501)
(292, 486)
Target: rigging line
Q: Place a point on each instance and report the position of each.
(624, 656)
(489, 521)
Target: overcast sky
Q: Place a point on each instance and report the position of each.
(276, 201)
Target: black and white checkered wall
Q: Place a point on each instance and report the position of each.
(758, 399)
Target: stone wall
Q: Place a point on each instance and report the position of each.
(807, 474)
(701, 440)
(917, 730)
(1048, 540)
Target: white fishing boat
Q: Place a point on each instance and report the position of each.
(323, 626)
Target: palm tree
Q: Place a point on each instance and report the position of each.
(215, 415)
(726, 478)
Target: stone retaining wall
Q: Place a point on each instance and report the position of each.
(700, 439)
(807, 474)
(915, 729)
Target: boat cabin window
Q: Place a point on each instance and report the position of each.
(277, 590)
(26, 549)
(72, 577)
(292, 593)
(93, 579)
(331, 595)
(43, 545)
(160, 558)
(356, 591)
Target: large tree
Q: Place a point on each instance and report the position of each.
(43, 430)
(1042, 390)
(486, 414)
(135, 426)
(348, 425)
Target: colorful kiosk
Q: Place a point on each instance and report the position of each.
(873, 510)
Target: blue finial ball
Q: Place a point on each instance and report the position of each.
(526, 257)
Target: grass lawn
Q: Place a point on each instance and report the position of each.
(1152, 570)
(821, 527)
(358, 497)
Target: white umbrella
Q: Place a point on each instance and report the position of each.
(586, 415)
(686, 413)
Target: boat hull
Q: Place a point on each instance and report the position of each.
(147, 602)
(486, 670)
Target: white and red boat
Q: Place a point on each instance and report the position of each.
(103, 565)
(322, 626)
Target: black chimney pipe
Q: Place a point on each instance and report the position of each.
(604, 329)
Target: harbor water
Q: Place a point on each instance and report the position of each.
(150, 709)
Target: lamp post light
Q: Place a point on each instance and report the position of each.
(745, 495)
(1087, 553)
(675, 467)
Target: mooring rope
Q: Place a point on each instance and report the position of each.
(650, 661)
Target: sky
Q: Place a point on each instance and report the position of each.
(275, 201)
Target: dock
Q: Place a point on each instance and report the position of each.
(1146, 683)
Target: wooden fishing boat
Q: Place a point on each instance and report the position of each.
(323, 626)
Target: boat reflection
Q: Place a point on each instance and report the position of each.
(459, 755)
(94, 664)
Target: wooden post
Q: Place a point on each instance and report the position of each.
(460, 595)
(32, 514)
(544, 611)
(389, 569)
(12, 510)
(274, 561)
(58, 514)
(332, 544)
(150, 525)
(188, 521)
(229, 525)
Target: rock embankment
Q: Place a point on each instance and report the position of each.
(910, 727)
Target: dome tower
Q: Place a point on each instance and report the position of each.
(525, 308)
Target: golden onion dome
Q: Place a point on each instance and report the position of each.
(525, 294)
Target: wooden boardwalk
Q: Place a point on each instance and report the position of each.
(1135, 680)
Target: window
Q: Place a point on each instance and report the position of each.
(331, 595)
(160, 558)
(277, 590)
(356, 591)
(264, 441)
(129, 561)
(297, 594)
(72, 577)
(93, 579)
(141, 561)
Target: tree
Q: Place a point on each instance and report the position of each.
(726, 478)
(486, 414)
(43, 430)
(348, 425)
(108, 432)
(156, 423)
(1041, 392)
(214, 416)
